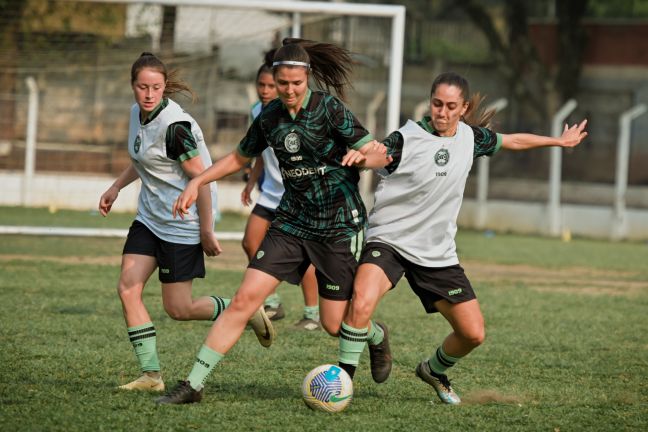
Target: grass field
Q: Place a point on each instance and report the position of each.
(566, 347)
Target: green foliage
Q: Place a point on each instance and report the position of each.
(557, 356)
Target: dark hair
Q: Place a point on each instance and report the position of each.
(266, 67)
(473, 115)
(173, 85)
(330, 64)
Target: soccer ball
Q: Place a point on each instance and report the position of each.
(327, 388)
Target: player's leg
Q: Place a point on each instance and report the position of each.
(280, 257)
(370, 285)
(311, 317)
(257, 225)
(224, 333)
(138, 263)
(135, 271)
(180, 264)
(452, 296)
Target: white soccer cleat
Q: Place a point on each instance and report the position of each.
(146, 383)
(262, 327)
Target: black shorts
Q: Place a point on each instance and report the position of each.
(431, 284)
(176, 262)
(287, 258)
(264, 212)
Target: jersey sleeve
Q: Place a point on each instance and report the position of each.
(254, 141)
(394, 144)
(487, 142)
(180, 142)
(346, 127)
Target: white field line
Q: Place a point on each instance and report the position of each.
(91, 232)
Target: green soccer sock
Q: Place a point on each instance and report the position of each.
(273, 300)
(143, 338)
(352, 343)
(219, 306)
(206, 359)
(441, 361)
(376, 334)
(312, 312)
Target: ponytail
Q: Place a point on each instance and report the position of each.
(330, 64)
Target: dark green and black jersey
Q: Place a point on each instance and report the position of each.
(321, 201)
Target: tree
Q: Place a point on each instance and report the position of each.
(543, 87)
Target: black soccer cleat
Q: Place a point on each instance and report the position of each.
(182, 393)
(380, 357)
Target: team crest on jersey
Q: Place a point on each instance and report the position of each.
(442, 157)
(291, 142)
(137, 144)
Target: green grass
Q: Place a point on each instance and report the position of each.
(566, 346)
(40, 216)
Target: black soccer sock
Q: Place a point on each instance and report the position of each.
(350, 369)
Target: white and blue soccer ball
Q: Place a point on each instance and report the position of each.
(327, 388)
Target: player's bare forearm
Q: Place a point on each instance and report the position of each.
(571, 137)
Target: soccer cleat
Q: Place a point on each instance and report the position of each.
(275, 313)
(380, 357)
(440, 382)
(308, 324)
(262, 327)
(182, 393)
(145, 382)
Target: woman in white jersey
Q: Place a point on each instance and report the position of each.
(271, 188)
(167, 149)
(413, 225)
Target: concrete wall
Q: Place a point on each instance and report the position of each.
(82, 193)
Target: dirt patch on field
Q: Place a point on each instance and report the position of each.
(585, 281)
(482, 397)
(573, 279)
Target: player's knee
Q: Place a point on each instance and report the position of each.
(178, 313)
(330, 328)
(362, 307)
(474, 337)
(129, 292)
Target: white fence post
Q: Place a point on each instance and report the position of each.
(296, 25)
(483, 168)
(30, 141)
(555, 169)
(620, 220)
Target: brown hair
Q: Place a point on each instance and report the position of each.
(266, 67)
(172, 84)
(473, 116)
(330, 64)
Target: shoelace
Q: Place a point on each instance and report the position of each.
(178, 389)
(443, 379)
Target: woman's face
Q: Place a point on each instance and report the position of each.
(266, 89)
(292, 85)
(148, 89)
(447, 105)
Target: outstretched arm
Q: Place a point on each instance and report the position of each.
(571, 137)
(230, 164)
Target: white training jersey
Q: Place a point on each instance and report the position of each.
(163, 179)
(272, 188)
(416, 206)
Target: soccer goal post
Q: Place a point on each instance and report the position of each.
(394, 12)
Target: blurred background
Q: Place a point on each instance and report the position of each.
(65, 93)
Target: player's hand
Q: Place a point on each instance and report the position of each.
(353, 157)
(210, 244)
(572, 136)
(246, 198)
(185, 200)
(107, 199)
(373, 146)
